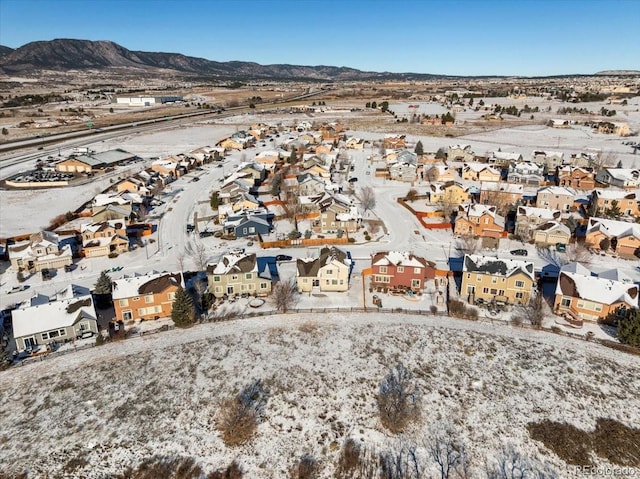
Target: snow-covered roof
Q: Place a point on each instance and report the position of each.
(504, 155)
(235, 263)
(614, 194)
(128, 287)
(542, 213)
(554, 226)
(478, 167)
(516, 188)
(623, 174)
(49, 316)
(558, 190)
(399, 258)
(558, 154)
(610, 228)
(579, 282)
(496, 266)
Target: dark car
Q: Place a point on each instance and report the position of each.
(283, 257)
(195, 178)
(205, 234)
(353, 180)
(519, 252)
(69, 267)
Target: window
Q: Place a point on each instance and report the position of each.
(248, 276)
(216, 279)
(519, 295)
(417, 270)
(234, 277)
(126, 315)
(468, 275)
(471, 289)
(478, 278)
(263, 285)
(137, 298)
(415, 283)
(494, 291)
(148, 298)
(383, 269)
(519, 284)
(485, 290)
(400, 269)
(123, 302)
(494, 280)
(334, 282)
(252, 229)
(566, 302)
(501, 292)
(171, 296)
(329, 271)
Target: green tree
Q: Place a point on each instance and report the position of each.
(183, 313)
(629, 329)
(5, 131)
(481, 102)
(102, 291)
(619, 165)
(367, 105)
(374, 105)
(419, 149)
(276, 183)
(441, 154)
(614, 211)
(384, 106)
(447, 118)
(294, 155)
(214, 200)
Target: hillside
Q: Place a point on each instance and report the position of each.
(71, 54)
(96, 412)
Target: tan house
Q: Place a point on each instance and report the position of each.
(556, 197)
(480, 172)
(607, 199)
(234, 143)
(621, 237)
(238, 274)
(40, 251)
(167, 167)
(339, 216)
(145, 297)
(439, 172)
(133, 185)
(329, 272)
(501, 194)
(550, 159)
(267, 157)
(451, 193)
(496, 280)
(102, 239)
(479, 220)
(395, 142)
(460, 153)
(551, 233)
(528, 218)
(355, 143)
(580, 178)
(582, 294)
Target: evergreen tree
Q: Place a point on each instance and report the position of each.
(183, 312)
(374, 105)
(419, 149)
(214, 200)
(614, 211)
(102, 291)
(629, 329)
(294, 154)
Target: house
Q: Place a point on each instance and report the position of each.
(401, 171)
(526, 172)
(394, 142)
(400, 270)
(474, 171)
(550, 159)
(40, 251)
(559, 123)
(354, 143)
(462, 153)
(501, 194)
(580, 178)
(551, 233)
(556, 198)
(257, 171)
(602, 201)
(502, 159)
(238, 274)
(237, 143)
(167, 168)
(104, 238)
(134, 184)
(340, 215)
(247, 225)
(608, 127)
(528, 218)
(310, 185)
(493, 279)
(619, 177)
(57, 321)
(582, 294)
(621, 237)
(267, 157)
(112, 211)
(144, 297)
(479, 220)
(329, 272)
(440, 172)
(450, 193)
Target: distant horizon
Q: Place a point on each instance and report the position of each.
(449, 38)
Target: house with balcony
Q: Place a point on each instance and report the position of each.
(145, 297)
(526, 172)
(479, 220)
(584, 295)
(238, 274)
(491, 279)
(40, 251)
(580, 178)
(400, 270)
(328, 272)
(528, 218)
(620, 237)
(556, 197)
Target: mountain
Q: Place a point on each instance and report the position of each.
(4, 50)
(69, 54)
(619, 72)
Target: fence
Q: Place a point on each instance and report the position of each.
(415, 312)
(303, 242)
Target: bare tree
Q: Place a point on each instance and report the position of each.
(468, 245)
(534, 312)
(398, 399)
(292, 209)
(239, 415)
(199, 255)
(511, 464)
(402, 462)
(367, 198)
(356, 461)
(577, 253)
(604, 159)
(411, 195)
(284, 295)
(448, 452)
(180, 260)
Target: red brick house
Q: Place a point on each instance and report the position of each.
(400, 270)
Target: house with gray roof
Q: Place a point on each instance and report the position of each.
(328, 272)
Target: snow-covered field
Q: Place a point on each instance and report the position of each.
(93, 413)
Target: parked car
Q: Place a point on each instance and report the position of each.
(17, 289)
(353, 180)
(195, 178)
(69, 267)
(283, 257)
(206, 234)
(519, 252)
(561, 247)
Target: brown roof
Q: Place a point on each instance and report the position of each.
(160, 284)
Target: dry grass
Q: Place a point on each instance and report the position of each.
(165, 467)
(236, 423)
(232, 471)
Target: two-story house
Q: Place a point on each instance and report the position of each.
(556, 197)
(501, 194)
(550, 159)
(449, 193)
(526, 172)
(621, 237)
(394, 142)
(493, 279)
(528, 218)
(580, 178)
(340, 216)
(479, 220)
(40, 251)
(603, 201)
(619, 177)
(148, 296)
(474, 171)
(582, 294)
(400, 270)
(238, 274)
(104, 238)
(328, 272)
(462, 153)
(551, 233)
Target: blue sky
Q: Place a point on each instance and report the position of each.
(458, 37)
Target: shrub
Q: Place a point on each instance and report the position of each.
(456, 307)
(165, 467)
(398, 399)
(352, 240)
(239, 415)
(306, 468)
(233, 471)
(433, 309)
(113, 254)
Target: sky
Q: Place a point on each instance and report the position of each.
(455, 37)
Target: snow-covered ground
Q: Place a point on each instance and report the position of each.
(98, 411)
